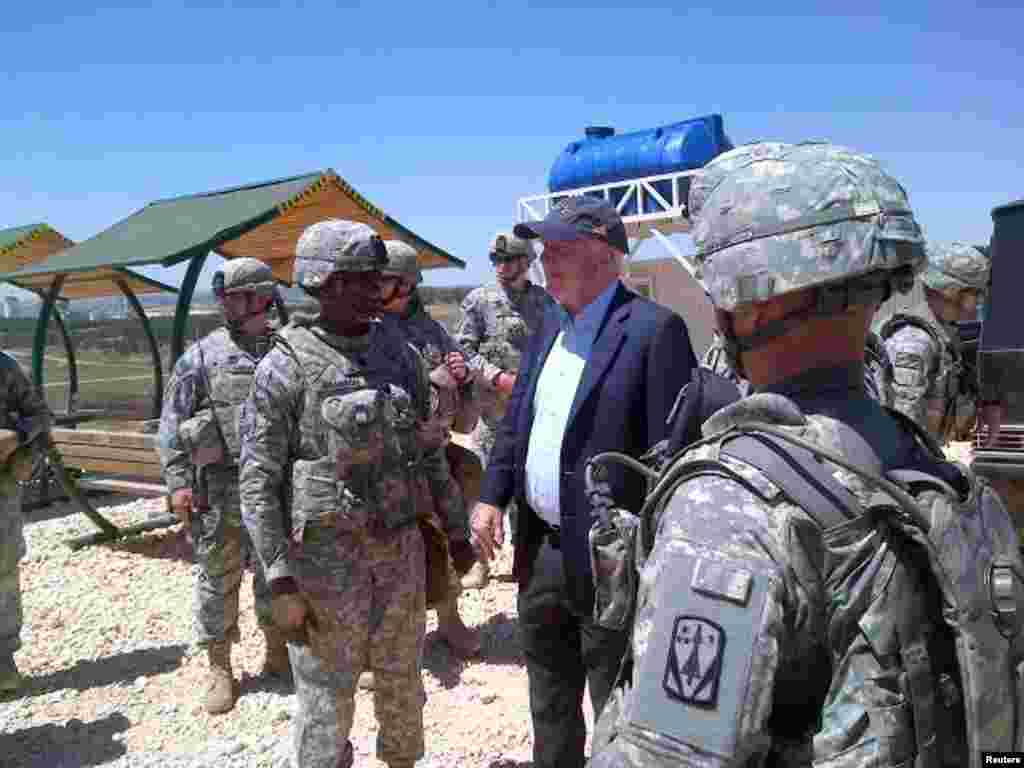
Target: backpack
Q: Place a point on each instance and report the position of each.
(956, 582)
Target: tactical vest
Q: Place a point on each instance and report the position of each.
(369, 498)
(924, 598)
(228, 371)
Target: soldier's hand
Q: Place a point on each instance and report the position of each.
(487, 530)
(504, 382)
(181, 505)
(288, 611)
(456, 365)
(991, 416)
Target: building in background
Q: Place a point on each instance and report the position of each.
(666, 282)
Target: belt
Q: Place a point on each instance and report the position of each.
(553, 533)
(322, 530)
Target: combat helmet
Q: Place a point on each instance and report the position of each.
(509, 245)
(244, 274)
(773, 218)
(403, 261)
(336, 245)
(955, 266)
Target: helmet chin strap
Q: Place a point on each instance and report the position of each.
(829, 299)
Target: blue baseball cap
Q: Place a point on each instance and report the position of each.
(578, 216)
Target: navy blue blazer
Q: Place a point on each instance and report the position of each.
(640, 359)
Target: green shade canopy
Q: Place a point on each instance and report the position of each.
(262, 220)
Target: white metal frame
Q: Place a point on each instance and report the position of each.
(670, 216)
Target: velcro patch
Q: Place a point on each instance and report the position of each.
(694, 664)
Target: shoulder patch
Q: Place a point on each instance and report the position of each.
(694, 664)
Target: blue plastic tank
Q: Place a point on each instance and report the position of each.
(602, 157)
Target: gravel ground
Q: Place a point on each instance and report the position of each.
(113, 678)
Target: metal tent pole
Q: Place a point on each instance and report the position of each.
(158, 373)
(188, 286)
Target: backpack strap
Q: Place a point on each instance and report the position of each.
(705, 393)
(800, 475)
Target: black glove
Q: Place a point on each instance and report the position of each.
(463, 556)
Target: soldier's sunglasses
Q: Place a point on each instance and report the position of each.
(504, 258)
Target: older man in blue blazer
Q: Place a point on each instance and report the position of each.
(600, 374)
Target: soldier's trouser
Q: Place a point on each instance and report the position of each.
(367, 601)
(222, 546)
(482, 441)
(12, 549)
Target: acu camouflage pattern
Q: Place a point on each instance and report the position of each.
(931, 384)
(321, 408)
(402, 260)
(201, 408)
(247, 274)
(843, 600)
(336, 245)
(22, 408)
(847, 216)
(493, 329)
(447, 405)
(955, 266)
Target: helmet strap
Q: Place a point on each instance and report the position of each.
(829, 299)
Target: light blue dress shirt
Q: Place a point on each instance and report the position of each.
(556, 389)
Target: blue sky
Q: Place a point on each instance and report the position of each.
(443, 114)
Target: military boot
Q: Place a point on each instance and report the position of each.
(10, 678)
(477, 576)
(275, 660)
(221, 691)
(460, 638)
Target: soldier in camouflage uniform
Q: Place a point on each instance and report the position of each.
(330, 483)
(495, 323)
(23, 410)
(738, 657)
(199, 450)
(453, 395)
(932, 386)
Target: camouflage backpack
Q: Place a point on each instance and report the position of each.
(932, 555)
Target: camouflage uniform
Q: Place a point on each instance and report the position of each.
(493, 330)
(221, 363)
(23, 409)
(932, 385)
(735, 643)
(433, 343)
(331, 424)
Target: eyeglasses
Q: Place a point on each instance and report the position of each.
(504, 258)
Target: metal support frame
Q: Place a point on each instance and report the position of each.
(71, 396)
(39, 343)
(154, 348)
(188, 287)
(670, 214)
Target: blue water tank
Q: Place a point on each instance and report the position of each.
(601, 157)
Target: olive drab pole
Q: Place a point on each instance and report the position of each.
(154, 348)
(188, 287)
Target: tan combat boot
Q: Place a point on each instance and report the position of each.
(10, 678)
(366, 680)
(221, 692)
(460, 638)
(477, 576)
(275, 660)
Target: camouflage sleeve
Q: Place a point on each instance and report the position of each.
(915, 361)
(182, 395)
(470, 333)
(269, 427)
(34, 417)
(732, 572)
(451, 506)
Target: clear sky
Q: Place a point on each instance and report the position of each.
(443, 114)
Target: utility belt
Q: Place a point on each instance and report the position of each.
(333, 527)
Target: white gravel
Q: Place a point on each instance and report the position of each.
(113, 678)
